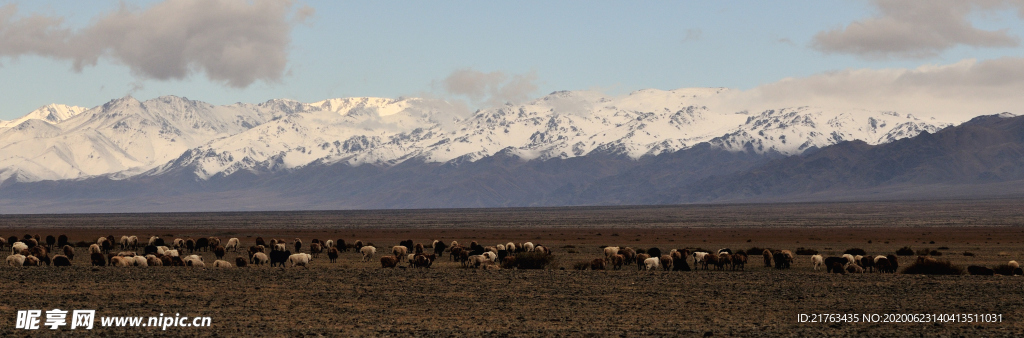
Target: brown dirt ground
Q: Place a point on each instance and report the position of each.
(359, 298)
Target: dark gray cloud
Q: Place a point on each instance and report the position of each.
(234, 42)
(916, 29)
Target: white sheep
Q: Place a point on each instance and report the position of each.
(299, 259)
(18, 246)
(153, 239)
(368, 252)
(232, 245)
(172, 253)
(178, 243)
(698, 258)
(221, 264)
(849, 260)
(95, 248)
(500, 247)
(280, 247)
(1013, 264)
(528, 246)
(399, 251)
(329, 244)
(16, 260)
(124, 242)
(260, 258)
(652, 263)
(878, 258)
(818, 261)
(194, 260)
(493, 257)
(162, 250)
(511, 247)
(133, 242)
(477, 260)
(141, 261)
(610, 251)
(123, 262)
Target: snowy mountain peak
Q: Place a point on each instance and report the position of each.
(51, 113)
(126, 137)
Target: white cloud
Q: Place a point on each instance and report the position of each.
(492, 89)
(916, 29)
(234, 42)
(954, 92)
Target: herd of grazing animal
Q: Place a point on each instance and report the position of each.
(125, 252)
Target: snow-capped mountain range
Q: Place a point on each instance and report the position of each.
(126, 138)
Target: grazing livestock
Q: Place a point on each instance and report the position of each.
(854, 268)
(179, 243)
(881, 264)
(439, 248)
(172, 253)
(665, 262)
(894, 263)
(629, 254)
(152, 260)
(194, 260)
(739, 260)
(388, 261)
(61, 260)
(817, 261)
(832, 261)
(423, 261)
(723, 260)
(493, 257)
(16, 260)
(868, 263)
(767, 254)
(698, 259)
(177, 261)
(654, 252)
(31, 261)
(368, 252)
(190, 245)
(62, 240)
(332, 254)
(617, 260)
(98, 259)
(849, 259)
(203, 244)
(261, 241)
(725, 251)
(836, 267)
(315, 249)
(219, 251)
(222, 264)
(232, 245)
(610, 251)
(240, 262)
(477, 260)
(511, 247)
(597, 264)
(140, 261)
(358, 245)
(16, 247)
(679, 260)
(400, 251)
(298, 245)
(418, 248)
(783, 259)
(50, 241)
(1013, 264)
(640, 258)
(279, 257)
(528, 246)
(69, 252)
(652, 263)
(340, 244)
(260, 258)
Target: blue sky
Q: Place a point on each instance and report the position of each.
(330, 49)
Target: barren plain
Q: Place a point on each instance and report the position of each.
(357, 298)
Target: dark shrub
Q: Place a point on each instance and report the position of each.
(905, 251)
(935, 253)
(581, 265)
(943, 248)
(1003, 269)
(968, 254)
(533, 260)
(923, 252)
(805, 252)
(933, 267)
(855, 251)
